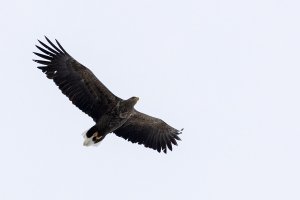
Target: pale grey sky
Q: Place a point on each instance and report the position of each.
(226, 71)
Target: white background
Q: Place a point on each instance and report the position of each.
(226, 71)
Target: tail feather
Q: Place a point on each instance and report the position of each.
(92, 137)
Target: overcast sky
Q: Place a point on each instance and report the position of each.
(226, 71)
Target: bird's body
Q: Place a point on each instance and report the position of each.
(110, 121)
(109, 112)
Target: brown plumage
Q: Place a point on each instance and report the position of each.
(110, 113)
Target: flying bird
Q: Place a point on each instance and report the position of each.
(110, 113)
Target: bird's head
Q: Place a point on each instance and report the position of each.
(133, 100)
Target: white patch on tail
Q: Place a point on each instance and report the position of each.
(89, 141)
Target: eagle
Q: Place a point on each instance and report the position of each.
(110, 113)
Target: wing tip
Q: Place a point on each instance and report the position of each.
(169, 144)
(34, 60)
(180, 131)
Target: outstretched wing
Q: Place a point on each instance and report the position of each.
(149, 131)
(76, 81)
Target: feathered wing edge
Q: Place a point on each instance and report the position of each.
(76, 81)
(149, 131)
